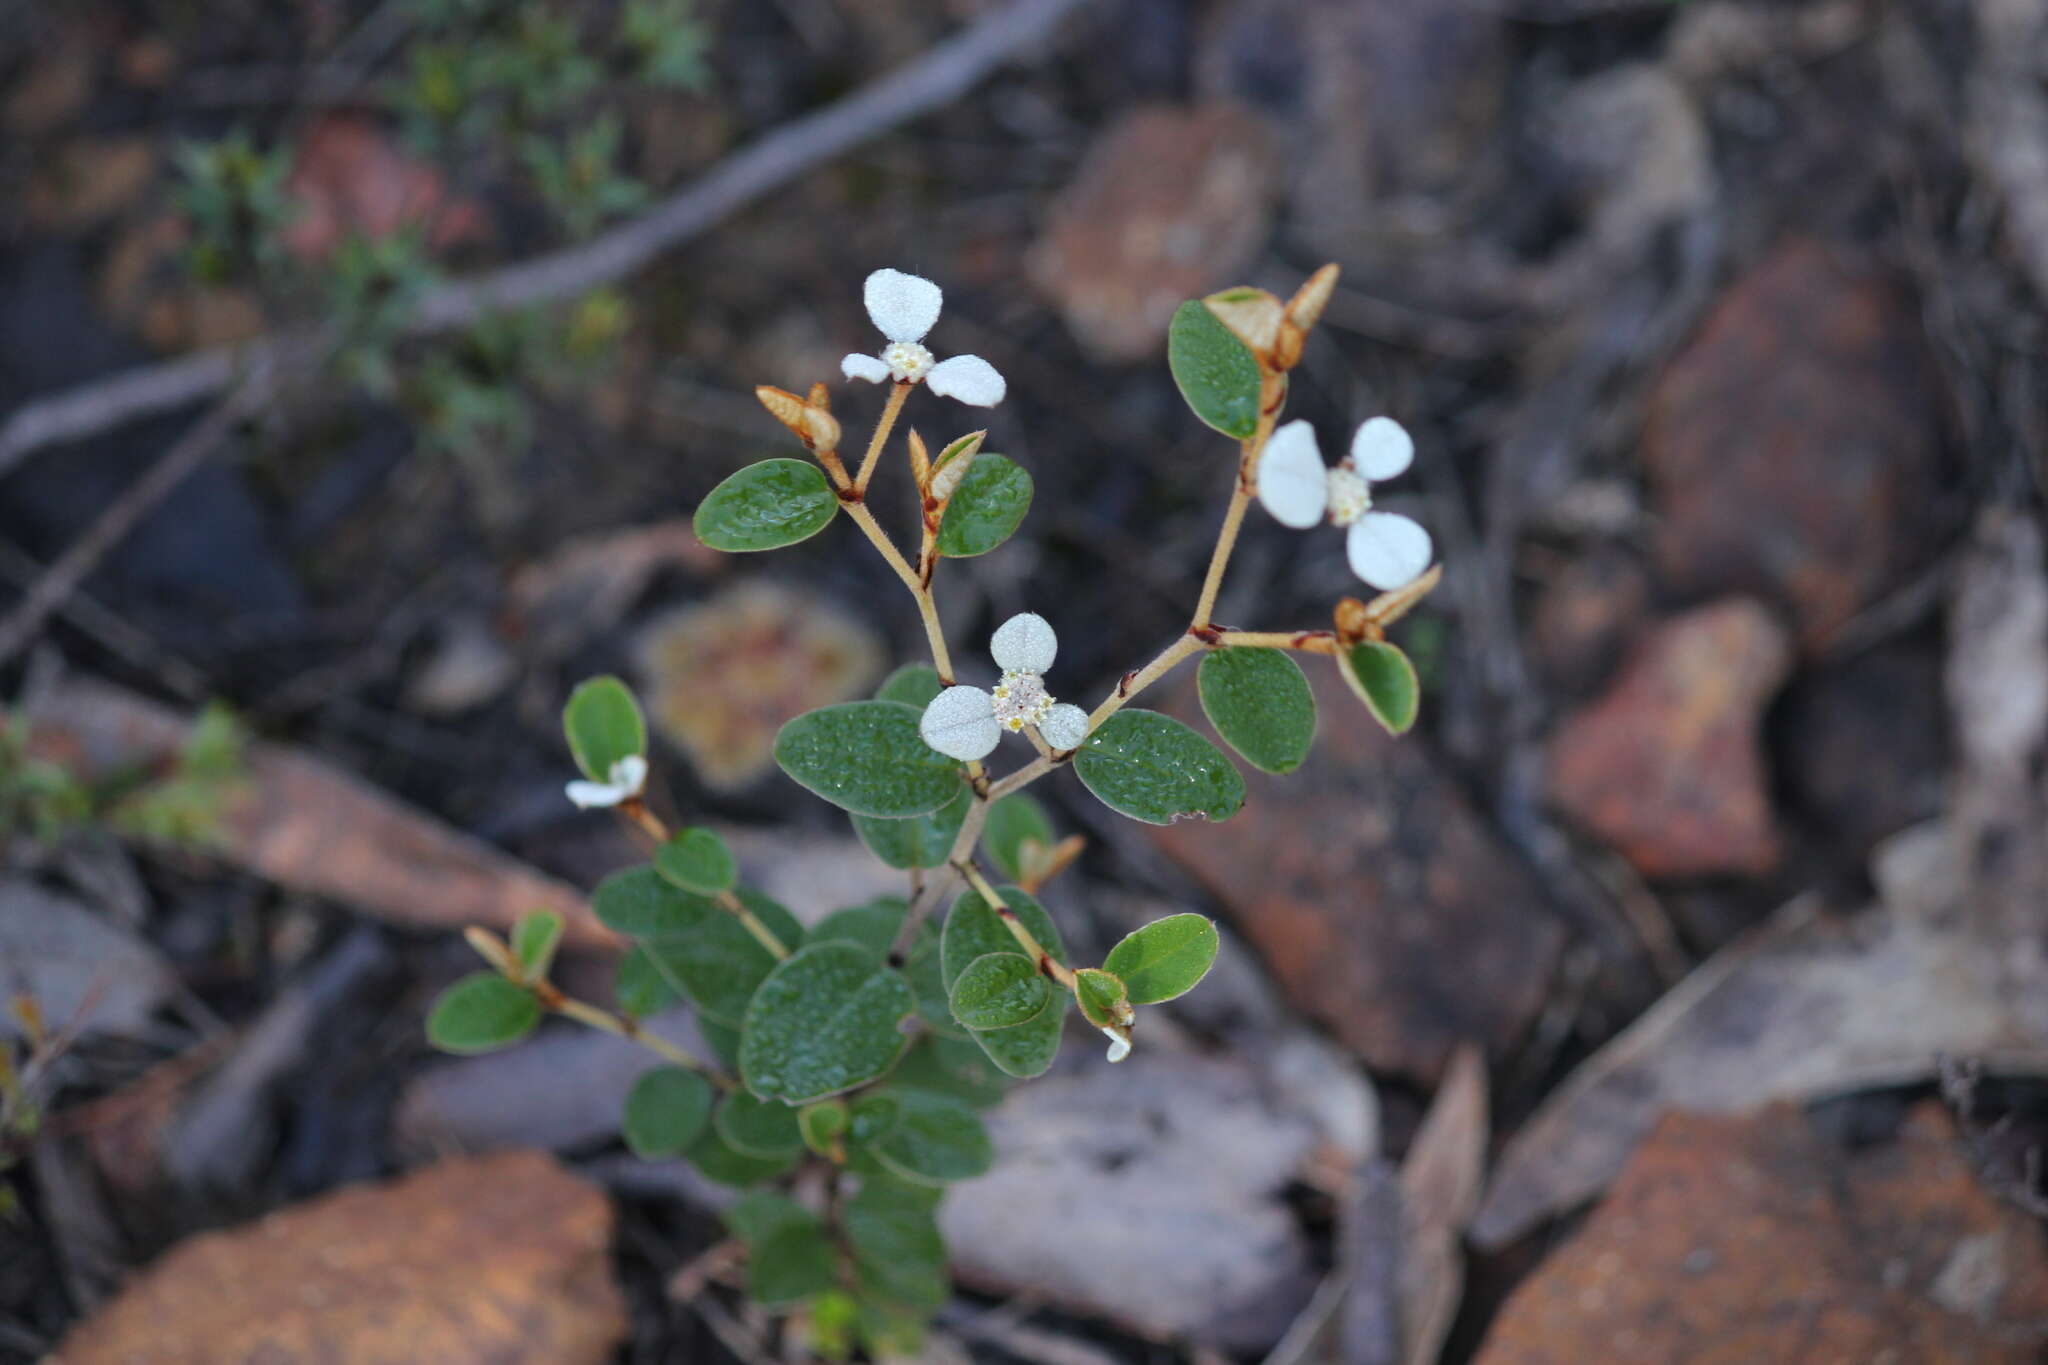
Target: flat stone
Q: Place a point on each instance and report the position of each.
(1378, 897)
(1755, 1239)
(1792, 447)
(1667, 766)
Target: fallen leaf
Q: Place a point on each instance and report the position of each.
(485, 1261)
(350, 180)
(1440, 1187)
(85, 973)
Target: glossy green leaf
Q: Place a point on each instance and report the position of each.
(641, 903)
(603, 724)
(896, 1245)
(986, 508)
(935, 1140)
(641, 988)
(912, 684)
(758, 1127)
(717, 962)
(1217, 373)
(534, 940)
(718, 1161)
(696, 859)
(974, 930)
(1153, 768)
(1000, 990)
(1011, 821)
(951, 1066)
(1103, 997)
(822, 1125)
(482, 1012)
(1385, 681)
(921, 840)
(1259, 701)
(867, 757)
(766, 506)
(1165, 958)
(872, 1116)
(791, 1263)
(755, 1217)
(666, 1111)
(874, 926)
(827, 1019)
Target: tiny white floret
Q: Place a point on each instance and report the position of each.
(966, 722)
(1385, 549)
(1119, 1045)
(905, 307)
(626, 778)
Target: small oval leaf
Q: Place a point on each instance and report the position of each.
(987, 507)
(666, 1111)
(534, 940)
(920, 841)
(1103, 997)
(640, 988)
(1165, 958)
(718, 963)
(974, 930)
(1218, 375)
(696, 859)
(1153, 768)
(912, 684)
(640, 903)
(754, 1127)
(867, 757)
(1011, 821)
(603, 724)
(1385, 681)
(766, 506)
(935, 1140)
(826, 1019)
(822, 1125)
(999, 990)
(1259, 701)
(710, 1154)
(482, 1012)
(792, 1263)
(896, 1245)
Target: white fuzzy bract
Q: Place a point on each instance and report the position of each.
(905, 307)
(1385, 549)
(627, 777)
(966, 722)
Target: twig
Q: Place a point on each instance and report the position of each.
(930, 82)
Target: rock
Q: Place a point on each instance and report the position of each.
(1862, 744)
(1168, 204)
(350, 179)
(1667, 766)
(1377, 896)
(1793, 444)
(85, 973)
(1755, 1239)
(492, 1261)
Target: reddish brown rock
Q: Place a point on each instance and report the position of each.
(1379, 898)
(503, 1259)
(1793, 445)
(1754, 1240)
(1169, 204)
(1666, 766)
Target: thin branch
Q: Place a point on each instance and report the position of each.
(930, 82)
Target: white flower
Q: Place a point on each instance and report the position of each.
(628, 776)
(1386, 549)
(1119, 1044)
(966, 722)
(905, 307)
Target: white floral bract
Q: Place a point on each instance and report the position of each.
(1119, 1045)
(627, 777)
(905, 307)
(966, 722)
(1385, 549)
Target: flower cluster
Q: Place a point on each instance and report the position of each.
(905, 307)
(966, 722)
(1386, 549)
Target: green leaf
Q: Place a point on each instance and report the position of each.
(951, 1066)
(482, 1012)
(758, 1127)
(603, 724)
(791, 1264)
(1011, 821)
(974, 930)
(912, 684)
(534, 940)
(723, 1040)
(666, 1111)
(696, 859)
(921, 840)
(710, 1154)
(1385, 681)
(1165, 958)
(1104, 999)
(766, 506)
(754, 1218)
(896, 1245)
(1260, 703)
(874, 926)
(718, 962)
(867, 757)
(826, 1019)
(1217, 373)
(821, 1125)
(986, 508)
(935, 1140)
(1153, 768)
(640, 903)
(640, 988)
(1000, 990)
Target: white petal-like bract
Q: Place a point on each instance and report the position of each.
(1119, 1046)
(1292, 483)
(1387, 550)
(961, 723)
(968, 379)
(869, 367)
(630, 773)
(588, 795)
(1024, 644)
(1382, 448)
(903, 306)
(1065, 726)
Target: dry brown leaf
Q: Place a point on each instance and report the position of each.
(1440, 1187)
(500, 1260)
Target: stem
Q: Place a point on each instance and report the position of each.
(1219, 559)
(593, 1017)
(1307, 641)
(1033, 949)
(865, 519)
(1134, 683)
(762, 933)
(898, 391)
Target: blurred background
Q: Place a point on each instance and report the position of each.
(1678, 991)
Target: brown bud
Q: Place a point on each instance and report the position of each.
(1306, 306)
(1390, 607)
(1252, 315)
(1037, 864)
(1354, 622)
(952, 464)
(785, 406)
(821, 429)
(920, 461)
(820, 398)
